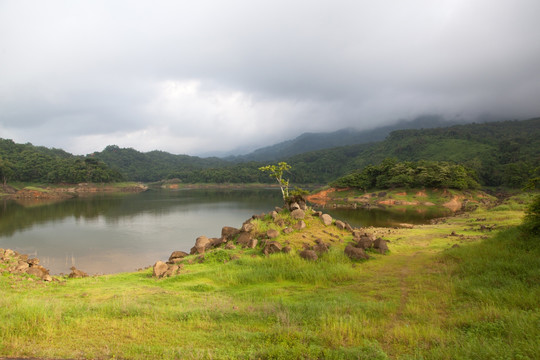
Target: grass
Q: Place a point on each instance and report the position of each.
(425, 300)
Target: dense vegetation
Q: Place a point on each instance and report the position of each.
(393, 174)
(499, 153)
(28, 163)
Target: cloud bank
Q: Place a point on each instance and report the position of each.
(213, 76)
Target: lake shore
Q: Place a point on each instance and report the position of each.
(433, 296)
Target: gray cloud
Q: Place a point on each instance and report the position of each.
(198, 77)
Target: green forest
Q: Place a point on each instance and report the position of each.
(503, 153)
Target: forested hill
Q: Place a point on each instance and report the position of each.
(317, 141)
(29, 163)
(502, 153)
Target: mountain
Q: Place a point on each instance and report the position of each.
(501, 153)
(154, 165)
(317, 141)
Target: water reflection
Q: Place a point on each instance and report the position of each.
(108, 234)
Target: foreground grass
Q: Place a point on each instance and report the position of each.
(425, 300)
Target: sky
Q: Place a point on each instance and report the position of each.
(213, 76)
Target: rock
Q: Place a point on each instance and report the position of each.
(308, 255)
(287, 249)
(272, 247)
(274, 215)
(33, 261)
(320, 247)
(244, 239)
(302, 205)
(357, 233)
(364, 242)
(252, 243)
(326, 219)
(247, 227)
(299, 225)
(287, 230)
(76, 273)
(280, 222)
(380, 245)
(298, 214)
(340, 225)
(293, 206)
(9, 253)
(278, 209)
(21, 266)
(176, 255)
(201, 245)
(230, 246)
(215, 242)
(355, 253)
(348, 227)
(317, 213)
(272, 233)
(36, 271)
(228, 232)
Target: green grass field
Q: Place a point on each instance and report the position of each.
(423, 300)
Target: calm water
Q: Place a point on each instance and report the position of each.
(109, 234)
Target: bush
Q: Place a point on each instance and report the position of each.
(531, 222)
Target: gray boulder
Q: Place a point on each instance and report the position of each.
(326, 219)
(272, 233)
(201, 245)
(177, 255)
(272, 247)
(381, 245)
(298, 214)
(228, 232)
(308, 255)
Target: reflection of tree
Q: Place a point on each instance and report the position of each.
(15, 217)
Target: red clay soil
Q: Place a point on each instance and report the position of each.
(320, 198)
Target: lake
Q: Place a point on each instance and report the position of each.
(119, 233)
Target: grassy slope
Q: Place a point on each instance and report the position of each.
(422, 301)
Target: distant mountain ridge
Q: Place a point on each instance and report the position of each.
(308, 142)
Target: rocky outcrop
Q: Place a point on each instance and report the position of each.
(308, 255)
(228, 232)
(15, 263)
(177, 256)
(163, 270)
(381, 245)
(201, 245)
(272, 247)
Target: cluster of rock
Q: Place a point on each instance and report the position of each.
(249, 237)
(15, 263)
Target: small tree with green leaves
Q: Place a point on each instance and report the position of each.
(276, 172)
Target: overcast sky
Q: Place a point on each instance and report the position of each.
(198, 77)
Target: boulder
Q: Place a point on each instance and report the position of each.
(287, 249)
(247, 226)
(244, 239)
(287, 230)
(228, 232)
(159, 269)
(364, 242)
(308, 255)
(326, 219)
(293, 206)
(381, 245)
(176, 255)
(33, 261)
(299, 225)
(76, 273)
(272, 247)
(272, 233)
(357, 233)
(252, 243)
(340, 225)
(278, 209)
(230, 246)
(348, 227)
(298, 214)
(317, 213)
(215, 242)
(201, 245)
(274, 215)
(320, 247)
(36, 272)
(355, 253)
(280, 222)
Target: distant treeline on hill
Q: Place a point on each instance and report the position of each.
(29, 163)
(498, 153)
(421, 174)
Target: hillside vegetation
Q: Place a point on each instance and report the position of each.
(499, 153)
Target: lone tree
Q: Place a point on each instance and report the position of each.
(276, 172)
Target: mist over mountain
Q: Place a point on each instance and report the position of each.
(307, 142)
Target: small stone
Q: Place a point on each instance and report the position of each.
(299, 225)
(272, 233)
(298, 214)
